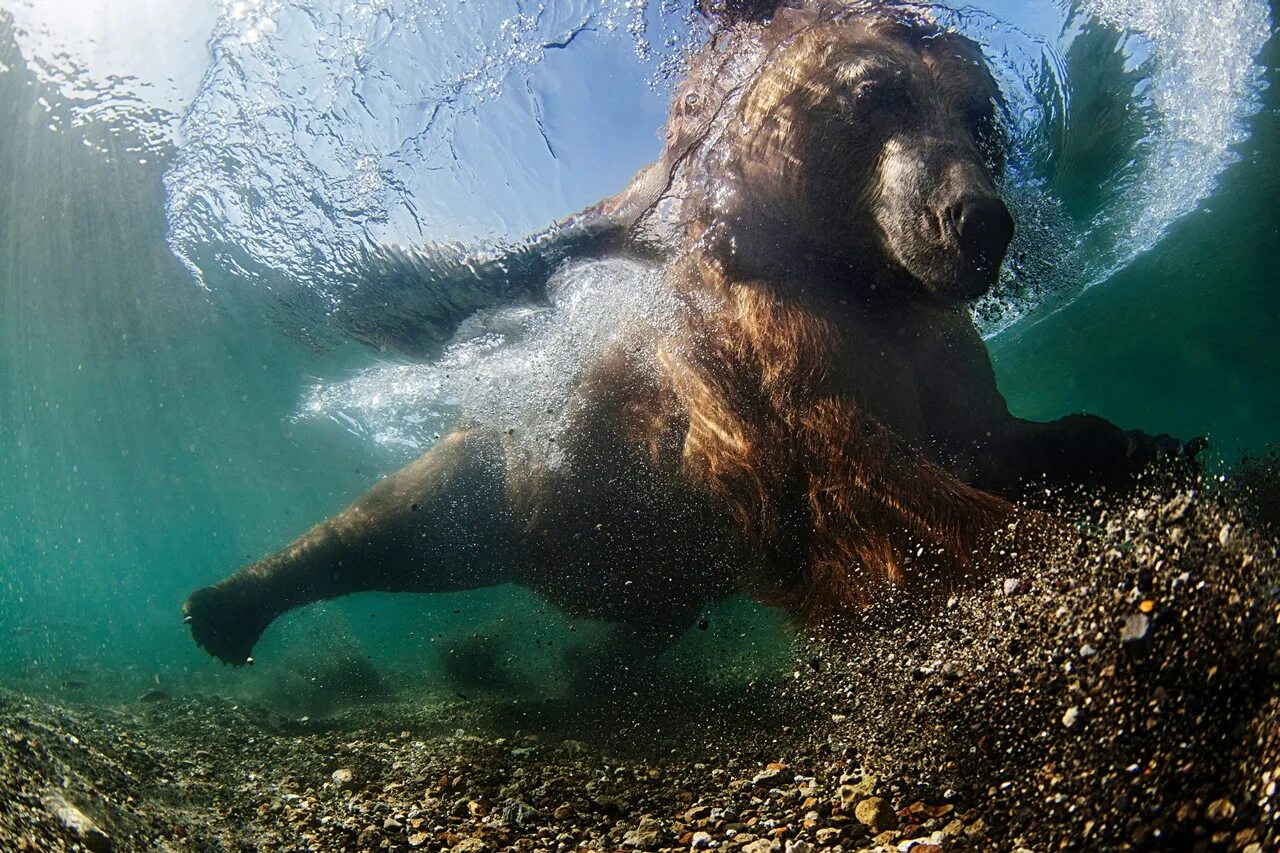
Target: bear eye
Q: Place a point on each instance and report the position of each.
(879, 93)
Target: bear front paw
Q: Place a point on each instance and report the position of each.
(225, 623)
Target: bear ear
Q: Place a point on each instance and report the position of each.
(729, 12)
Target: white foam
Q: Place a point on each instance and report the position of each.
(1197, 70)
(514, 368)
(1205, 85)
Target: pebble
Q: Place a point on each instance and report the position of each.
(851, 794)
(1070, 717)
(767, 777)
(343, 779)
(918, 845)
(697, 813)
(1135, 628)
(470, 845)
(1176, 508)
(876, 813)
(79, 824)
(645, 836)
(828, 836)
(761, 845)
(1220, 810)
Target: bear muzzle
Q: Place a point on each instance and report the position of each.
(940, 215)
(981, 228)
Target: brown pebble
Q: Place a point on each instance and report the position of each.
(876, 813)
(471, 845)
(1220, 810)
(697, 813)
(828, 836)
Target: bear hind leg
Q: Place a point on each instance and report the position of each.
(441, 524)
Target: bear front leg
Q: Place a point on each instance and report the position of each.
(1080, 450)
(440, 524)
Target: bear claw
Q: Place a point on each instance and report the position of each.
(225, 623)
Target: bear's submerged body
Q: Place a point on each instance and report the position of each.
(822, 429)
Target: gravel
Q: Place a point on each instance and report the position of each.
(1121, 694)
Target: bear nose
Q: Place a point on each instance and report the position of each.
(982, 227)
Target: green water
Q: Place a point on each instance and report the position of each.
(148, 446)
(146, 433)
(1185, 339)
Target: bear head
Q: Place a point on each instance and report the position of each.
(848, 138)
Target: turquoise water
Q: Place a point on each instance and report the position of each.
(1182, 339)
(162, 292)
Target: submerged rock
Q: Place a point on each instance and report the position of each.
(646, 836)
(1015, 586)
(79, 825)
(876, 813)
(771, 775)
(1135, 628)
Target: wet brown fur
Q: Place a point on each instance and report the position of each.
(838, 508)
(824, 430)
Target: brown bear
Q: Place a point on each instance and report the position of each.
(822, 431)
